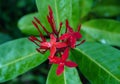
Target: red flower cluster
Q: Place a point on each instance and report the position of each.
(59, 46)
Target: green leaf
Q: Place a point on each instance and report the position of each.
(107, 10)
(17, 57)
(69, 76)
(99, 63)
(85, 7)
(26, 26)
(103, 30)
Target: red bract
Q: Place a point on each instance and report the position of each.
(51, 20)
(58, 45)
(71, 36)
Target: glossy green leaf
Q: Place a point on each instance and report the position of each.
(70, 76)
(107, 10)
(99, 63)
(26, 26)
(103, 30)
(17, 57)
(85, 7)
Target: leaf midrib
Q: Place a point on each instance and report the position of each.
(19, 59)
(98, 65)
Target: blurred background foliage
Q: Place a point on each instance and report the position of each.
(10, 13)
(12, 10)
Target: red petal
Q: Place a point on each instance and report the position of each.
(60, 69)
(65, 36)
(46, 44)
(65, 54)
(72, 41)
(52, 51)
(77, 35)
(60, 45)
(52, 39)
(54, 60)
(70, 64)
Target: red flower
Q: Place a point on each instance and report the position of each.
(56, 46)
(53, 45)
(71, 36)
(63, 62)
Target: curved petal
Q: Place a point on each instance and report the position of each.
(70, 64)
(60, 45)
(52, 39)
(72, 41)
(65, 54)
(60, 69)
(65, 36)
(52, 51)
